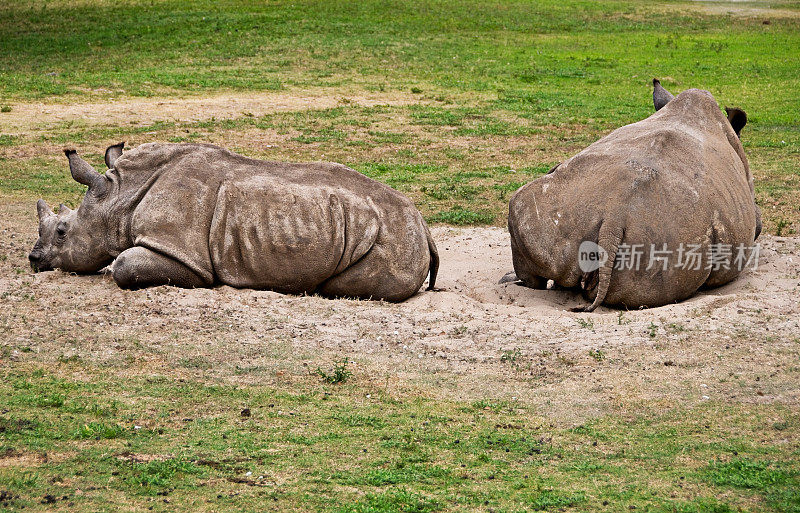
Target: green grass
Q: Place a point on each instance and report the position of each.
(493, 95)
(339, 374)
(514, 84)
(172, 443)
(525, 49)
(777, 483)
(461, 217)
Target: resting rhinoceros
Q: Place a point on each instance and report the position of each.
(673, 186)
(196, 215)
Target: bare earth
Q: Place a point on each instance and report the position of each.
(747, 8)
(476, 339)
(29, 117)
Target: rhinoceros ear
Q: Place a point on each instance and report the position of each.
(63, 209)
(85, 174)
(737, 118)
(661, 96)
(42, 209)
(113, 152)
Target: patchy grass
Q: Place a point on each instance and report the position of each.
(499, 94)
(398, 175)
(460, 216)
(439, 180)
(775, 482)
(39, 177)
(545, 58)
(339, 373)
(519, 88)
(177, 444)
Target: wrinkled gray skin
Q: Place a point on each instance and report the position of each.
(196, 215)
(677, 177)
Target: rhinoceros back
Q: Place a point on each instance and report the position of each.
(260, 224)
(677, 179)
(287, 236)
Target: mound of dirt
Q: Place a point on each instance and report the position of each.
(476, 338)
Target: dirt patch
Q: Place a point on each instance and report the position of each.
(745, 9)
(12, 458)
(476, 339)
(26, 118)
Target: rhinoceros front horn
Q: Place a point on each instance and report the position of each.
(42, 209)
(85, 174)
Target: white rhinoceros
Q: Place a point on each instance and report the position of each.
(196, 215)
(651, 195)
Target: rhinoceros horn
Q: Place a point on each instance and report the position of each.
(85, 174)
(113, 152)
(63, 209)
(42, 209)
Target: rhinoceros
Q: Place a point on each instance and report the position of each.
(197, 215)
(653, 193)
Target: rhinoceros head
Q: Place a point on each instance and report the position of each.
(736, 116)
(75, 240)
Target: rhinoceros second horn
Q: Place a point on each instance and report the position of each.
(83, 173)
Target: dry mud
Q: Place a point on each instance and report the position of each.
(475, 339)
(32, 117)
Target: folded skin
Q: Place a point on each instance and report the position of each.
(196, 215)
(677, 179)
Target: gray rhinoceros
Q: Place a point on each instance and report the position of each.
(196, 215)
(668, 200)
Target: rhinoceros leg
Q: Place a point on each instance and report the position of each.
(140, 267)
(523, 270)
(378, 275)
(534, 282)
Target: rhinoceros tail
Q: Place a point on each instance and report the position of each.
(609, 239)
(434, 265)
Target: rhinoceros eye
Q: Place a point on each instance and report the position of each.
(61, 230)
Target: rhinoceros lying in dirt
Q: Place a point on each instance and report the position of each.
(195, 215)
(668, 200)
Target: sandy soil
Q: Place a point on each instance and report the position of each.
(748, 8)
(474, 339)
(29, 117)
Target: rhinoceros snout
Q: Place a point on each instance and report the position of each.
(35, 259)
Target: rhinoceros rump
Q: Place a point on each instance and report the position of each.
(195, 215)
(678, 179)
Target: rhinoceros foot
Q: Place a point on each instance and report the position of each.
(509, 277)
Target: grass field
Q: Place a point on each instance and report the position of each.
(468, 101)
(154, 443)
(496, 92)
